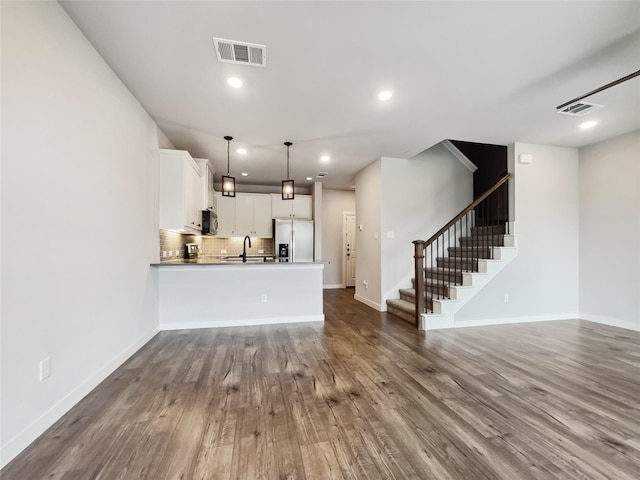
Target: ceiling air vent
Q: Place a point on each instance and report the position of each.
(579, 109)
(322, 174)
(241, 53)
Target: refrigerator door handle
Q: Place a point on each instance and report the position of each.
(293, 246)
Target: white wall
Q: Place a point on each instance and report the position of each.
(368, 213)
(542, 281)
(610, 232)
(420, 195)
(79, 223)
(163, 140)
(408, 199)
(334, 204)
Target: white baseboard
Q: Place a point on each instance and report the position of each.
(241, 322)
(369, 303)
(509, 320)
(13, 447)
(614, 322)
(335, 285)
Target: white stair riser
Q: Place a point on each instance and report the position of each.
(444, 311)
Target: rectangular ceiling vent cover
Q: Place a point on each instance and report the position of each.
(322, 174)
(579, 109)
(240, 53)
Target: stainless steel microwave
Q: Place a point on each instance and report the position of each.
(209, 223)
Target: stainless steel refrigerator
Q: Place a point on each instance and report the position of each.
(294, 240)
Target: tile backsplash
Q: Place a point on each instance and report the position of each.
(172, 245)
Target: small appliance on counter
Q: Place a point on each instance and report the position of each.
(191, 251)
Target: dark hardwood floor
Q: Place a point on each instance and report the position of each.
(363, 395)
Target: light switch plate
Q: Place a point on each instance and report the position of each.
(45, 368)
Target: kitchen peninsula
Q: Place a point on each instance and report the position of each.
(206, 295)
(213, 288)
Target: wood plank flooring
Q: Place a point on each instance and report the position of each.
(362, 396)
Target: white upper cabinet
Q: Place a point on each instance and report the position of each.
(209, 191)
(182, 191)
(258, 209)
(299, 207)
(207, 184)
(244, 214)
(226, 211)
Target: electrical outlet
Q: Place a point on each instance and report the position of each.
(365, 283)
(45, 368)
(164, 254)
(506, 298)
(263, 297)
(261, 250)
(223, 250)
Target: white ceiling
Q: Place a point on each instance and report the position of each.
(490, 72)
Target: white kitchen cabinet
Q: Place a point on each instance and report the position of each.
(253, 215)
(226, 211)
(299, 207)
(244, 214)
(182, 191)
(208, 172)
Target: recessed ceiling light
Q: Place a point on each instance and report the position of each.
(235, 82)
(384, 95)
(325, 158)
(244, 174)
(242, 151)
(309, 178)
(589, 124)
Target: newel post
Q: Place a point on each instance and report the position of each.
(419, 278)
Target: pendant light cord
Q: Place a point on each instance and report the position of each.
(287, 162)
(228, 139)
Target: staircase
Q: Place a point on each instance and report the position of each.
(458, 261)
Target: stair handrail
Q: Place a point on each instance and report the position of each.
(421, 245)
(467, 209)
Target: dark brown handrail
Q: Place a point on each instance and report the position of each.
(471, 206)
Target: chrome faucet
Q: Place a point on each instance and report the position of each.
(244, 248)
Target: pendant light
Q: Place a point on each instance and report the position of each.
(287, 185)
(228, 182)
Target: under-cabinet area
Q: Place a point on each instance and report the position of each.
(212, 249)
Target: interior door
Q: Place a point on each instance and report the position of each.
(349, 230)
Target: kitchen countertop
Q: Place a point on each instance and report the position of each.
(227, 260)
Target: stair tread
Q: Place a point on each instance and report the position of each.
(411, 292)
(402, 305)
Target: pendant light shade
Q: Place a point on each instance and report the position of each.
(287, 185)
(228, 182)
